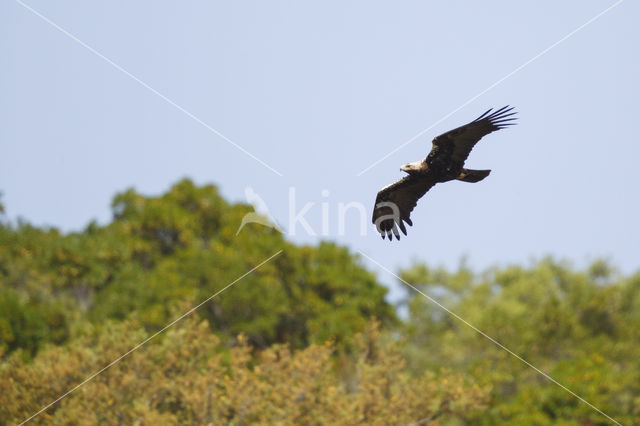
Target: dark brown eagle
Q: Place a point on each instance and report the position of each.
(395, 202)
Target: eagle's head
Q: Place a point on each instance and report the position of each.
(415, 167)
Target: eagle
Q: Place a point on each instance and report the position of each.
(445, 162)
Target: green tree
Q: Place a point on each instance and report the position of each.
(181, 247)
(27, 325)
(579, 327)
(188, 377)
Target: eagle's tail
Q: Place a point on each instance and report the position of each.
(473, 176)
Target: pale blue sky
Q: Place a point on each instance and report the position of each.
(319, 92)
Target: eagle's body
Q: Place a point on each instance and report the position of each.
(445, 162)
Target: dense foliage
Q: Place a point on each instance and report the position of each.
(307, 338)
(581, 328)
(187, 377)
(180, 247)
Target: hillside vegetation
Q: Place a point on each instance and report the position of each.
(307, 338)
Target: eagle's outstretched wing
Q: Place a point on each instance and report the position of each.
(456, 144)
(395, 202)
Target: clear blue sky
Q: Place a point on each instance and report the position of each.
(321, 91)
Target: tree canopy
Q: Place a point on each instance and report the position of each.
(579, 327)
(306, 338)
(180, 248)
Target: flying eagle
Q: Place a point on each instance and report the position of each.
(395, 202)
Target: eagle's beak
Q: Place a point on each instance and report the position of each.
(404, 168)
